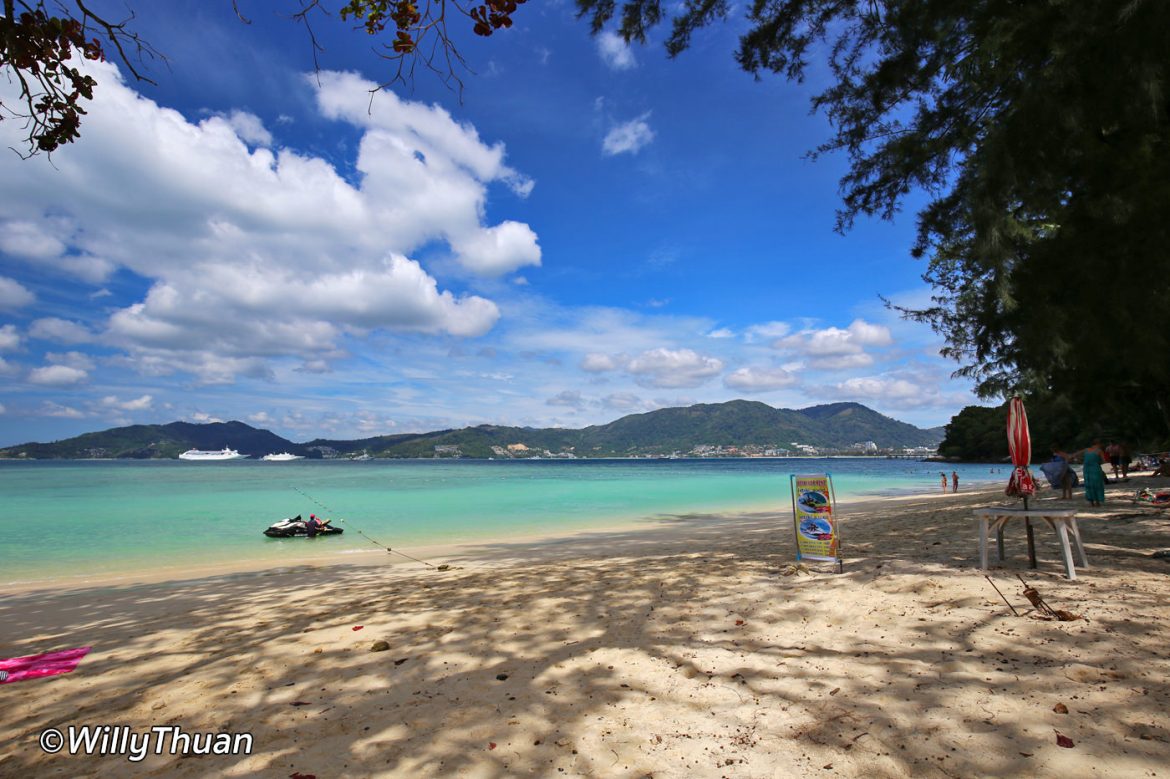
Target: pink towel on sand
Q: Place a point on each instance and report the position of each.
(36, 666)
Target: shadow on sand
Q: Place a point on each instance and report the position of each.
(681, 653)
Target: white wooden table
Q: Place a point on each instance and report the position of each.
(1063, 521)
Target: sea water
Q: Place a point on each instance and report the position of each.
(73, 520)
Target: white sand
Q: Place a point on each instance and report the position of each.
(680, 651)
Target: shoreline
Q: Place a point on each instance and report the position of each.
(693, 648)
(440, 552)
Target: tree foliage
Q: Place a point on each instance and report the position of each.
(39, 45)
(414, 32)
(41, 42)
(1039, 130)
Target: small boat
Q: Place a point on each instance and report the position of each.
(295, 527)
(283, 457)
(206, 456)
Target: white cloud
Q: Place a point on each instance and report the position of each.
(841, 362)
(2, 409)
(868, 334)
(276, 239)
(500, 249)
(571, 398)
(13, 295)
(626, 402)
(261, 418)
(30, 241)
(766, 331)
(722, 332)
(143, 403)
(834, 348)
(819, 343)
(57, 376)
(904, 390)
(77, 360)
(60, 330)
(673, 368)
(249, 127)
(204, 418)
(43, 243)
(759, 379)
(628, 137)
(9, 338)
(882, 388)
(615, 52)
(51, 409)
(599, 363)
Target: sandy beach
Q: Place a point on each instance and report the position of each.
(693, 648)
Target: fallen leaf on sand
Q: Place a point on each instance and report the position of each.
(738, 622)
(491, 745)
(1063, 741)
(1060, 708)
(358, 627)
(300, 703)
(299, 775)
(834, 691)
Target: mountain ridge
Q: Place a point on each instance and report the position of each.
(733, 423)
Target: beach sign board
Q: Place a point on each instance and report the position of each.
(816, 525)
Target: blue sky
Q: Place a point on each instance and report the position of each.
(591, 231)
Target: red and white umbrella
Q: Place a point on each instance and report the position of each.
(1020, 446)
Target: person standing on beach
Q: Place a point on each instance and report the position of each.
(1094, 474)
(954, 481)
(943, 476)
(1066, 476)
(1113, 453)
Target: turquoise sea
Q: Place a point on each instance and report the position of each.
(77, 520)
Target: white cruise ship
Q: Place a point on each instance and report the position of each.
(283, 457)
(223, 454)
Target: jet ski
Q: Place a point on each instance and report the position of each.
(294, 527)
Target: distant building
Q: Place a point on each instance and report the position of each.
(517, 448)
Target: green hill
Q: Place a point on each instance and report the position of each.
(158, 441)
(737, 423)
(849, 423)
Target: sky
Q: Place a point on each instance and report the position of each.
(585, 230)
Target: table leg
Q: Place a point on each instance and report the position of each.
(982, 542)
(999, 539)
(1065, 551)
(1076, 532)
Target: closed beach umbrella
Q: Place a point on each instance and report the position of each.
(1020, 446)
(1021, 483)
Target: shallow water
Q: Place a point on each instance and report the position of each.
(97, 518)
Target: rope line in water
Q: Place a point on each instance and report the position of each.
(363, 535)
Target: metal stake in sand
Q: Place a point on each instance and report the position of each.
(363, 535)
(1005, 600)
